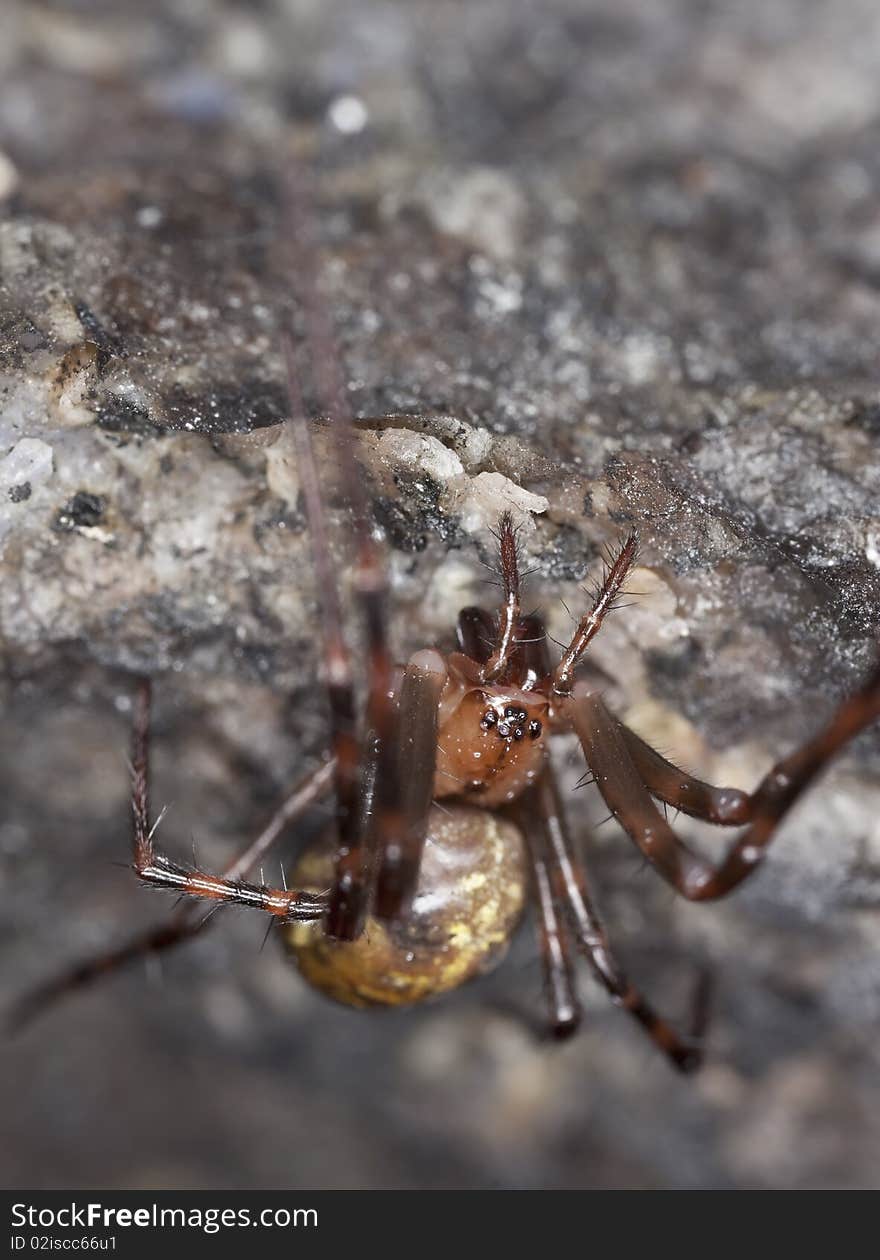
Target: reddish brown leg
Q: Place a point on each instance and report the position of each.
(573, 889)
(505, 639)
(423, 682)
(289, 905)
(355, 864)
(605, 596)
(556, 960)
(337, 669)
(608, 753)
(728, 807)
(392, 834)
(182, 924)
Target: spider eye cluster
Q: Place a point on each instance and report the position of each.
(512, 724)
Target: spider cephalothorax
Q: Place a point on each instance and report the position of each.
(489, 739)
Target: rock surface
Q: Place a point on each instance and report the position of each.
(603, 264)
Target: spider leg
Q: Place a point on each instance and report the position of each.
(556, 961)
(351, 859)
(400, 855)
(182, 924)
(43, 995)
(728, 807)
(608, 753)
(606, 595)
(355, 862)
(573, 890)
(505, 639)
(155, 869)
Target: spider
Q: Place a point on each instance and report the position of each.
(448, 815)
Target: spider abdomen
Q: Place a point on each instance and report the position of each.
(468, 901)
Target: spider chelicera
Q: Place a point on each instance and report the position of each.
(448, 817)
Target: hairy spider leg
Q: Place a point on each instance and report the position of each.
(553, 932)
(505, 641)
(572, 890)
(182, 924)
(510, 646)
(605, 596)
(626, 782)
(400, 856)
(286, 904)
(348, 909)
(354, 862)
(376, 864)
(725, 806)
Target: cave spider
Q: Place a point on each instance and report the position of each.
(448, 817)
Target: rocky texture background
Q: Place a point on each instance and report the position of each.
(612, 263)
